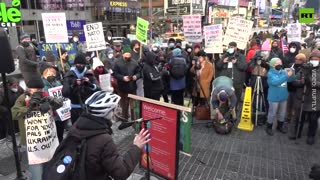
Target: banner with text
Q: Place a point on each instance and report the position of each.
(294, 32)
(41, 137)
(142, 30)
(76, 27)
(192, 28)
(63, 112)
(239, 31)
(94, 36)
(213, 38)
(55, 27)
(44, 47)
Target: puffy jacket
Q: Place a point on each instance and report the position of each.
(278, 88)
(250, 55)
(276, 52)
(78, 93)
(312, 98)
(102, 159)
(127, 68)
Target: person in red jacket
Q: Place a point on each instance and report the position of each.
(251, 52)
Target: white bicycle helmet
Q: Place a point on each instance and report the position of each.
(101, 103)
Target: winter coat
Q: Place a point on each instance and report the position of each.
(78, 93)
(178, 84)
(250, 55)
(127, 68)
(237, 72)
(312, 97)
(309, 41)
(276, 52)
(152, 77)
(13, 96)
(278, 88)
(135, 56)
(204, 76)
(66, 66)
(102, 158)
(226, 84)
(20, 109)
(295, 87)
(289, 58)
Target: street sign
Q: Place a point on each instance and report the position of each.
(174, 10)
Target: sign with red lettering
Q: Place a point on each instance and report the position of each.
(192, 28)
(65, 111)
(163, 144)
(55, 27)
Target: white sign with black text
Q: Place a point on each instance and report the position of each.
(94, 37)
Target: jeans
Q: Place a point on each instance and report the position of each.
(277, 111)
(36, 171)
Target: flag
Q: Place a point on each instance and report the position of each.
(284, 46)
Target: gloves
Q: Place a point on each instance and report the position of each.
(315, 172)
(35, 99)
(89, 84)
(44, 107)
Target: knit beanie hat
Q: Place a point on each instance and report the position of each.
(24, 36)
(80, 59)
(63, 51)
(96, 63)
(223, 96)
(197, 46)
(301, 56)
(34, 81)
(315, 53)
(176, 52)
(202, 53)
(126, 49)
(273, 61)
(50, 57)
(12, 80)
(109, 51)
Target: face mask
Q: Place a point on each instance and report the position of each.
(51, 79)
(75, 39)
(314, 63)
(171, 45)
(80, 68)
(292, 50)
(278, 67)
(137, 49)
(154, 49)
(109, 38)
(127, 59)
(99, 70)
(189, 50)
(110, 56)
(274, 46)
(230, 51)
(14, 90)
(25, 44)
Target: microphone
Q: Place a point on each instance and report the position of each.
(125, 125)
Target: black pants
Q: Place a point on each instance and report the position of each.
(152, 95)
(60, 129)
(177, 97)
(312, 118)
(75, 114)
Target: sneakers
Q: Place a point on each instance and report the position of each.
(269, 129)
(280, 128)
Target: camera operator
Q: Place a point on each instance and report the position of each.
(79, 84)
(233, 65)
(312, 96)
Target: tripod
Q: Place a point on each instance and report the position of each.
(258, 96)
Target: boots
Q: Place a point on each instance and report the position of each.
(269, 129)
(310, 140)
(280, 128)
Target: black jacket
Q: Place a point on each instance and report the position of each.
(152, 81)
(290, 57)
(126, 68)
(276, 52)
(102, 159)
(78, 92)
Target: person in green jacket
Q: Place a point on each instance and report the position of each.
(65, 66)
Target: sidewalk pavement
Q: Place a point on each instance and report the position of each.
(238, 156)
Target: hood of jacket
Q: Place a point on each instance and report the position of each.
(295, 44)
(151, 58)
(88, 125)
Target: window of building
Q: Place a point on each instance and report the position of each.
(144, 11)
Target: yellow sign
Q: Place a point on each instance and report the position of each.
(246, 122)
(118, 4)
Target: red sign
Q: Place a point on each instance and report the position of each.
(162, 147)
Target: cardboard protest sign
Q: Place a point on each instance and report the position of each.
(294, 32)
(41, 137)
(105, 82)
(94, 37)
(239, 31)
(55, 27)
(213, 38)
(63, 112)
(142, 30)
(44, 47)
(192, 28)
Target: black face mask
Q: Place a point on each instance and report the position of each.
(137, 49)
(80, 68)
(127, 59)
(51, 79)
(25, 44)
(278, 67)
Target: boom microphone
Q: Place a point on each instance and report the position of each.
(125, 125)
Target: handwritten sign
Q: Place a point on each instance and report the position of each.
(94, 36)
(55, 27)
(239, 31)
(142, 30)
(44, 47)
(213, 38)
(105, 82)
(192, 28)
(294, 32)
(63, 112)
(41, 136)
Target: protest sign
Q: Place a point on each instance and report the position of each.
(192, 28)
(105, 82)
(76, 27)
(94, 37)
(44, 47)
(213, 38)
(41, 137)
(142, 30)
(239, 31)
(63, 112)
(55, 27)
(294, 32)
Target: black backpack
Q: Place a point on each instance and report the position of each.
(68, 161)
(178, 67)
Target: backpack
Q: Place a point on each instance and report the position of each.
(178, 67)
(68, 161)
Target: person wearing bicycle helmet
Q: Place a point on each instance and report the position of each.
(102, 157)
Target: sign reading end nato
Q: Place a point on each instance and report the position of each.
(9, 16)
(306, 15)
